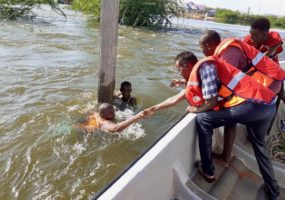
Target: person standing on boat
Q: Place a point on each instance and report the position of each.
(249, 60)
(212, 88)
(268, 42)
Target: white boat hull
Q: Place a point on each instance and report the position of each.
(163, 171)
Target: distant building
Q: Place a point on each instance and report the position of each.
(191, 6)
(211, 13)
(201, 8)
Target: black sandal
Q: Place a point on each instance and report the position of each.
(207, 178)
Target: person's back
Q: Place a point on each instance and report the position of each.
(233, 55)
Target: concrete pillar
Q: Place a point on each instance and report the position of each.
(108, 37)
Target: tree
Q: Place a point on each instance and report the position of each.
(144, 13)
(147, 13)
(89, 7)
(15, 8)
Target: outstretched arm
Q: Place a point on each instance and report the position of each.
(172, 101)
(113, 127)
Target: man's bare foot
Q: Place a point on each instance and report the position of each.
(221, 160)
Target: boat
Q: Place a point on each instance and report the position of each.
(167, 170)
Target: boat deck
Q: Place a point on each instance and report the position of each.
(237, 182)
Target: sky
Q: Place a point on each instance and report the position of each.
(273, 7)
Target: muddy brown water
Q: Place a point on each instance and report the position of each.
(48, 80)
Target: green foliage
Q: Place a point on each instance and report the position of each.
(144, 13)
(147, 13)
(15, 8)
(228, 16)
(88, 6)
(277, 22)
(235, 17)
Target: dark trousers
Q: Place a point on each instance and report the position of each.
(257, 118)
(280, 96)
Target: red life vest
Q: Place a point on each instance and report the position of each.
(234, 83)
(261, 62)
(263, 69)
(273, 39)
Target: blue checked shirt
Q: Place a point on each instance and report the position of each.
(209, 80)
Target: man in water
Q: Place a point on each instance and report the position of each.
(125, 95)
(104, 120)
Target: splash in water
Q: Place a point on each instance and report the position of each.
(134, 131)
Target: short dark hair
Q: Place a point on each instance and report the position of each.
(262, 24)
(185, 58)
(125, 83)
(211, 37)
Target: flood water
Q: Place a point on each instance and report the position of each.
(48, 80)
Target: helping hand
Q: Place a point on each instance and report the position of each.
(143, 114)
(177, 83)
(192, 109)
(148, 112)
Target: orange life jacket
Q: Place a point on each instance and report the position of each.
(273, 39)
(261, 68)
(234, 83)
(92, 122)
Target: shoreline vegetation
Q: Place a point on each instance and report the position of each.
(137, 13)
(152, 14)
(155, 14)
(234, 17)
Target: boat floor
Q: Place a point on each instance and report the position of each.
(237, 182)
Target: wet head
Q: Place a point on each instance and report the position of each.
(209, 41)
(184, 63)
(107, 111)
(126, 89)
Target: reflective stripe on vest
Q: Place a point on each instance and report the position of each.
(235, 80)
(257, 58)
(235, 88)
(194, 83)
(259, 61)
